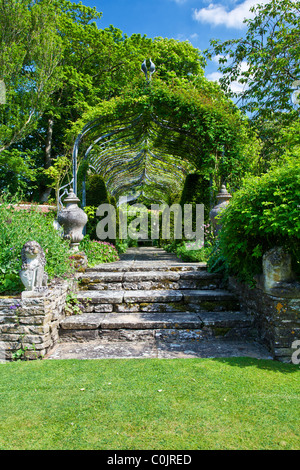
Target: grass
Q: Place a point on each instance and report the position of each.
(180, 404)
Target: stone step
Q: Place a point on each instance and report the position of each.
(154, 320)
(142, 326)
(117, 297)
(122, 266)
(156, 300)
(149, 280)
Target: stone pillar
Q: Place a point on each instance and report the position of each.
(277, 269)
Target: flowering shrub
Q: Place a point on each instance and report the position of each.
(17, 226)
(98, 252)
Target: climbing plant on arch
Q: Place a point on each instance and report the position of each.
(153, 135)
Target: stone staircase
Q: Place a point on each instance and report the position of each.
(150, 304)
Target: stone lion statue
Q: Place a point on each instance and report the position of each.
(33, 273)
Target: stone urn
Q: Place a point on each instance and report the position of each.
(223, 199)
(72, 219)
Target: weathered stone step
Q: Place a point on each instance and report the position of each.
(156, 300)
(149, 280)
(121, 266)
(142, 326)
(116, 297)
(138, 320)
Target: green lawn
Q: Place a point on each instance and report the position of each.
(179, 404)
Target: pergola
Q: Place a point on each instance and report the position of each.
(147, 141)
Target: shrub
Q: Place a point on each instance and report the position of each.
(193, 256)
(98, 252)
(196, 191)
(17, 226)
(96, 192)
(182, 248)
(264, 213)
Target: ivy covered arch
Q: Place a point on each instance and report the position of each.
(147, 140)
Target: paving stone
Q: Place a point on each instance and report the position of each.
(105, 350)
(155, 349)
(212, 348)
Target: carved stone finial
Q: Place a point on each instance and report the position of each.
(73, 220)
(223, 198)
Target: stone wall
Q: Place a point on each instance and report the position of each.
(29, 326)
(276, 314)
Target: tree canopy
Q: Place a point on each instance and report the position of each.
(172, 129)
(265, 62)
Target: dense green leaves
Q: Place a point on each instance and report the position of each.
(183, 123)
(265, 64)
(30, 53)
(264, 213)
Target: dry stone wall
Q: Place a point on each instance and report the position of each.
(29, 326)
(276, 316)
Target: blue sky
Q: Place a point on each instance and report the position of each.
(197, 21)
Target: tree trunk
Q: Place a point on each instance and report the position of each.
(45, 191)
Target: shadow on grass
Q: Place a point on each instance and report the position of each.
(264, 364)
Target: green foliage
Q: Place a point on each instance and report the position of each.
(30, 53)
(96, 192)
(17, 226)
(98, 252)
(271, 49)
(196, 191)
(265, 61)
(264, 213)
(57, 173)
(188, 250)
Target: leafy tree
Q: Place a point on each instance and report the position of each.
(98, 64)
(266, 62)
(30, 51)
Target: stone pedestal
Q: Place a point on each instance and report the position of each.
(277, 269)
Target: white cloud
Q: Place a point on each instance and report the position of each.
(218, 14)
(214, 76)
(235, 86)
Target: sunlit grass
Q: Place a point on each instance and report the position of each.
(149, 404)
